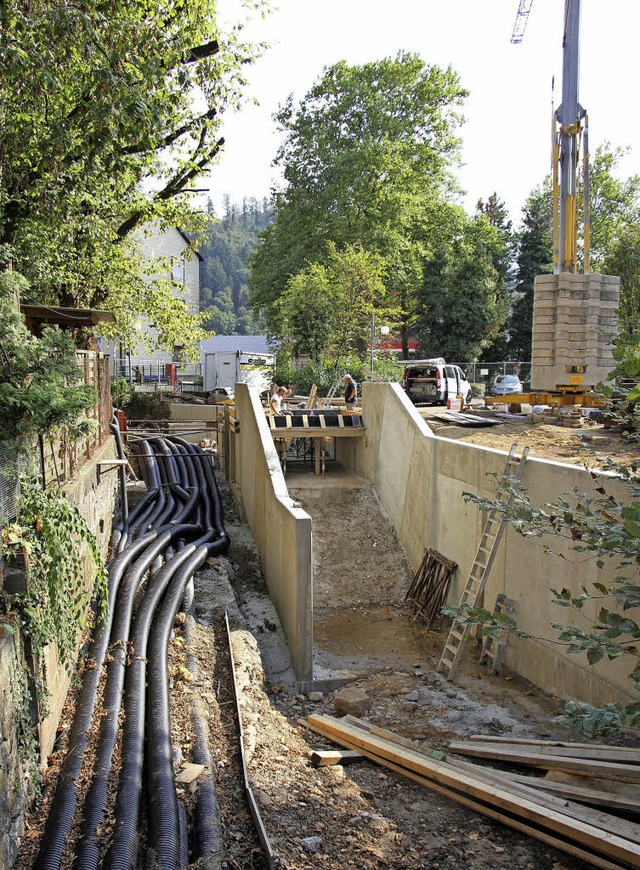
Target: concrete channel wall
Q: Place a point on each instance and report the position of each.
(420, 479)
(281, 528)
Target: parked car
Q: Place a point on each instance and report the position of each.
(433, 381)
(505, 385)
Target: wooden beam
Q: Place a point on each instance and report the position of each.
(534, 789)
(329, 757)
(581, 766)
(598, 751)
(541, 822)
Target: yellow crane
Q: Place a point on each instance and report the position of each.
(569, 139)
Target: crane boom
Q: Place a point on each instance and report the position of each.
(522, 16)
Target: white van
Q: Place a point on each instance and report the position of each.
(433, 381)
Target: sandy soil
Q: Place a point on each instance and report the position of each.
(589, 444)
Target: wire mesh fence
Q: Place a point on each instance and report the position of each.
(487, 372)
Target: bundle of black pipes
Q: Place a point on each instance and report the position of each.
(157, 548)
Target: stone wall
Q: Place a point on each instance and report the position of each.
(574, 317)
(94, 495)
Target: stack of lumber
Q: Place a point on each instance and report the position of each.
(429, 588)
(522, 802)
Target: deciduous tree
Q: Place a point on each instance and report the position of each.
(367, 157)
(109, 112)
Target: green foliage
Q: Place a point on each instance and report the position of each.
(323, 376)
(53, 538)
(367, 161)
(25, 727)
(39, 389)
(534, 257)
(226, 247)
(599, 527)
(599, 720)
(121, 393)
(615, 203)
(463, 300)
(109, 114)
(326, 308)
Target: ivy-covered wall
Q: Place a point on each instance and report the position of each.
(24, 749)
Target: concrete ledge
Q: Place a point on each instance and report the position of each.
(281, 528)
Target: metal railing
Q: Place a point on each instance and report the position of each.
(149, 372)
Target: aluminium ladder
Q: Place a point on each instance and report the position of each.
(326, 402)
(491, 535)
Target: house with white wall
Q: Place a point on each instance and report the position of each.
(177, 262)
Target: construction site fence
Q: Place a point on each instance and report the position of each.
(487, 372)
(150, 372)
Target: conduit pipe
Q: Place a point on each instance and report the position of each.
(123, 849)
(163, 839)
(63, 806)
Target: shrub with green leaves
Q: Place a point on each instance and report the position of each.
(39, 389)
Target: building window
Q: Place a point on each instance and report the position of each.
(178, 269)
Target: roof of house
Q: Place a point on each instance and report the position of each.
(36, 316)
(230, 343)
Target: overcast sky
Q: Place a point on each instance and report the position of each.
(507, 132)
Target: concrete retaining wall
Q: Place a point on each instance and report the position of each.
(281, 528)
(420, 479)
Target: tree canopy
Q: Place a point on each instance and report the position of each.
(367, 157)
(226, 246)
(109, 113)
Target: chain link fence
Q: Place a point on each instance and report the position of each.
(485, 373)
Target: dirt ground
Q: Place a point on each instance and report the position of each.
(362, 815)
(589, 444)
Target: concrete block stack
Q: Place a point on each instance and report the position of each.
(574, 319)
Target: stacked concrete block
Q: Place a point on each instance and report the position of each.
(574, 319)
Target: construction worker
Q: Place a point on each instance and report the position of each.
(350, 392)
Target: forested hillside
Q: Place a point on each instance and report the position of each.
(229, 241)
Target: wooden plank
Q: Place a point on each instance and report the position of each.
(605, 821)
(597, 751)
(579, 793)
(592, 796)
(458, 781)
(539, 830)
(582, 766)
(329, 757)
(392, 736)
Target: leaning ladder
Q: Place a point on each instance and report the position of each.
(491, 535)
(332, 391)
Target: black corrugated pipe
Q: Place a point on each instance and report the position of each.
(89, 851)
(207, 835)
(161, 790)
(146, 518)
(179, 460)
(123, 849)
(148, 469)
(214, 492)
(63, 806)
